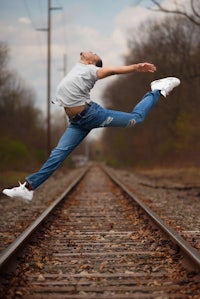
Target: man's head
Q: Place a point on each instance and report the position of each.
(91, 58)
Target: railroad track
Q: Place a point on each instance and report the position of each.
(99, 243)
(177, 204)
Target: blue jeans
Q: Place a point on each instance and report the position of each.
(94, 117)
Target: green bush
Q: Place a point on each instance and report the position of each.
(13, 154)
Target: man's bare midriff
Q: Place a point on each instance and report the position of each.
(73, 111)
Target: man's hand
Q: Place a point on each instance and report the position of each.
(146, 67)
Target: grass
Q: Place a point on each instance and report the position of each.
(190, 175)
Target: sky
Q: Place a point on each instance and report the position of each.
(81, 25)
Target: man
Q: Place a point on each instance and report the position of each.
(73, 93)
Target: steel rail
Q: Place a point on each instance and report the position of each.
(186, 248)
(14, 247)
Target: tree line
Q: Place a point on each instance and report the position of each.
(170, 133)
(23, 126)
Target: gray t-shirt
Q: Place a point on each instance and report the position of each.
(74, 89)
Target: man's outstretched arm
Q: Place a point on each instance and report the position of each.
(125, 69)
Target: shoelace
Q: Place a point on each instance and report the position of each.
(22, 185)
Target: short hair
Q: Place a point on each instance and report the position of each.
(99, 63)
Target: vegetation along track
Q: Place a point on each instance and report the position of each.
(99, 244)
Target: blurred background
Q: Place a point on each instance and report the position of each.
(41, 41)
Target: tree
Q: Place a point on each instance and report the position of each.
(22, 128)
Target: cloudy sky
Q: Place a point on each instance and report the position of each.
(99, 26)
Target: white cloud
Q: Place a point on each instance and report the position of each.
(24, 20)
(131, 17)
(171, 4)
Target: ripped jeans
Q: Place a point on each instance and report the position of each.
(94, 117)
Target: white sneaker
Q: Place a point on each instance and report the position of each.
(165, 85)
(19, 192)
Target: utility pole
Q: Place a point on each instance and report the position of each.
(49, 79)
(48, 29)
(64, 71)
(64, 74)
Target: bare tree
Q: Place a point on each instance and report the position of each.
(191, 10)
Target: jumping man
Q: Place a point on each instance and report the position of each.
(73, 93)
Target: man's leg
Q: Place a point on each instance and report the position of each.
(137, 115)
(144, 106)
(69, 140)
(120, 119)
